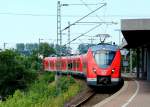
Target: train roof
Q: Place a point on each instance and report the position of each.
(104, 47)
(66, 57)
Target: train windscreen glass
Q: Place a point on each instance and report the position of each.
(104, 58)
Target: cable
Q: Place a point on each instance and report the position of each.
(84, 17)
(90, 9)
(83, 34)
(24, 14)
(53, 15)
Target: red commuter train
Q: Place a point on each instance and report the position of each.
(100, 65)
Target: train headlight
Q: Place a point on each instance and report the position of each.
(94, 70)
(112, 71)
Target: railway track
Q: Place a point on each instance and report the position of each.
(87, 98)
(81, 98)
(90, 97)
(98, 97)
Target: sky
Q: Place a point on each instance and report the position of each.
(25, 21)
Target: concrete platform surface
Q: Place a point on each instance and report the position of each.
(134, 93)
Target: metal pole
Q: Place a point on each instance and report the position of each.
(69, 34)
(125, 68)
(39, 47)
(58, 6)
(130, 61)
(5, 45)
(138, 63)
(39, 54)
(59, 36)
(68, 46)
(91, 39)
(59, 42)
(58, 21)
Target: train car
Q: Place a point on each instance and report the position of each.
(71, 64)
(100, 65)
(103, 65)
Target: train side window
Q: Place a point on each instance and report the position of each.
(70, 65)
(53, 64)
(74, 64)
(62, 63)
(58, 64)
(78, 64)
(50, 64)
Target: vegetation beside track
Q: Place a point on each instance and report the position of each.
(22, 84)
(42, 93)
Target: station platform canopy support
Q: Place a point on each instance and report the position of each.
(137, 32)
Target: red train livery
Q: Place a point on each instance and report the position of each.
(100, 66)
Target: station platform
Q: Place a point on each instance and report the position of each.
(134, 93)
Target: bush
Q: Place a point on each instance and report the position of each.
(47, 77)
(65, 83)
(14, 73)
(43, 94)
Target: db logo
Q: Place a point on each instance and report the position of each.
(104, 72)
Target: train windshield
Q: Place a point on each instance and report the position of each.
(104, 58)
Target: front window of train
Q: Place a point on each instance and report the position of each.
(104, 58)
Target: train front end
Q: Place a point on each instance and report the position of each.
(103, 65)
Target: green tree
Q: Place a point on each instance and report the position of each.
(45, 49)
(13, 72)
